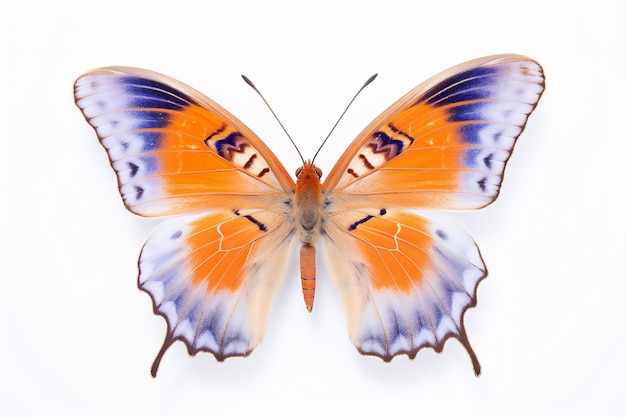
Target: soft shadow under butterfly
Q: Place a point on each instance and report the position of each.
(406, 274)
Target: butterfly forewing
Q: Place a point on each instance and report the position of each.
(446, 143)
(174, 150)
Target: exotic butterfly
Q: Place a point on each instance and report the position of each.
(406, 274)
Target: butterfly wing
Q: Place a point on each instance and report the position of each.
(408, 277)
(211, 274)
(175, 151)
(444, 144)
(213, 278)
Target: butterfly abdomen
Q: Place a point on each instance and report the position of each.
(307, 275)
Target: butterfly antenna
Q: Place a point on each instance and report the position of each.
(368, 82)
(247, 80)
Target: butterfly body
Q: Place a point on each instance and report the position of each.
(406, 272)
(309, 217)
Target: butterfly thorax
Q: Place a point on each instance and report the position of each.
(308, 203)
(308, 220)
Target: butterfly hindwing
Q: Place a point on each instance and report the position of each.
(406, 279)
(211, 278)
(446, 143)
(174, 150)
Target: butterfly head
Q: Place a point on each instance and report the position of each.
(308, 172)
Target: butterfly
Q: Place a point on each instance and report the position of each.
(406, 272)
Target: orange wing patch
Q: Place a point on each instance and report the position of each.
(384, 241)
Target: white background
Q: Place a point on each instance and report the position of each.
(76, 336)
